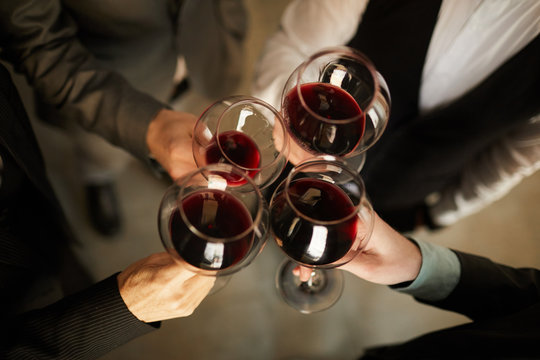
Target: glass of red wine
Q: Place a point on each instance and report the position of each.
(211, 227)
(335, 103)
(321, 218)
(245, 132)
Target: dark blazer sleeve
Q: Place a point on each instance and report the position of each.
(490, 290)
(85, 325)
(504, 303)
(40, 39)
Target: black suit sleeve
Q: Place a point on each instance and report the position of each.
(85, 325)
(490, 290)
(504, 303)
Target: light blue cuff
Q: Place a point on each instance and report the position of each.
(439, 274)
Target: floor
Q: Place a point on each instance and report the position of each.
(247, 319)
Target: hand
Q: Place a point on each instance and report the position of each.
(295, 154)
(388, 258)
(158, 288)
(169, 139)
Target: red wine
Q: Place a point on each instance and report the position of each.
(304, 241)
(329, 102)
(239, 148)
(217, 214)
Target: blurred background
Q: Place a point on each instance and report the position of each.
(247, 319)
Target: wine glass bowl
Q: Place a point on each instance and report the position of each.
(321, 218)
(336, 103)
(245, 132)
(196, 224)
(320, 215)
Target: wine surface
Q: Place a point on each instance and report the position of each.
(239, 148)
(307, 241)
(329, 102)
(217, 214)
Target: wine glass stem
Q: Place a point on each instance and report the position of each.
(315, 283)
(311, 278)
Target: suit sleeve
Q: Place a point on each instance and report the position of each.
(488, 290)
(85, 325)
(492, 175)
(306, 27)
(40, 39)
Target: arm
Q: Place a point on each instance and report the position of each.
(85, 325)
(491, 176)
(451, 280)
(68, 77)
(306, 27)
(116, 310)
(487, 289)
(40, 39)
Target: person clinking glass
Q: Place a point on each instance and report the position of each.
(502, 302)
(50, 307)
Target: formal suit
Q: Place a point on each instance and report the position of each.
(424, 153)
(103, 70)
(504, 304)
(35, 249)
(110, 66)
(464, 82)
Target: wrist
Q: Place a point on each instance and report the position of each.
(389, 257)
(412, 266)
(439, 274)
(400, 254)
(154, 129)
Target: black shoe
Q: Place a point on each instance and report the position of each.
(103, 208)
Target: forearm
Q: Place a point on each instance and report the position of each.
(85, 325)
(388, 258)
(68, 78)
(307, 26)
(471, 285)
(271, 75)
(425, 270)
(487, 290)
(491, 175)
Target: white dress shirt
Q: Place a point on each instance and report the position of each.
(471, 39)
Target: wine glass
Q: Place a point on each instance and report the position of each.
(211, 227)
(245, 132)
(335, 103)
(321, 218)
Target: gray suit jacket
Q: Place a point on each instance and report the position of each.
(109, 65)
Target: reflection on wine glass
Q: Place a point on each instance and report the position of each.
(245, 132)
(321, 218)
(208, 225)
(336, 103)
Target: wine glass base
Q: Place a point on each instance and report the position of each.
(319, 293)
